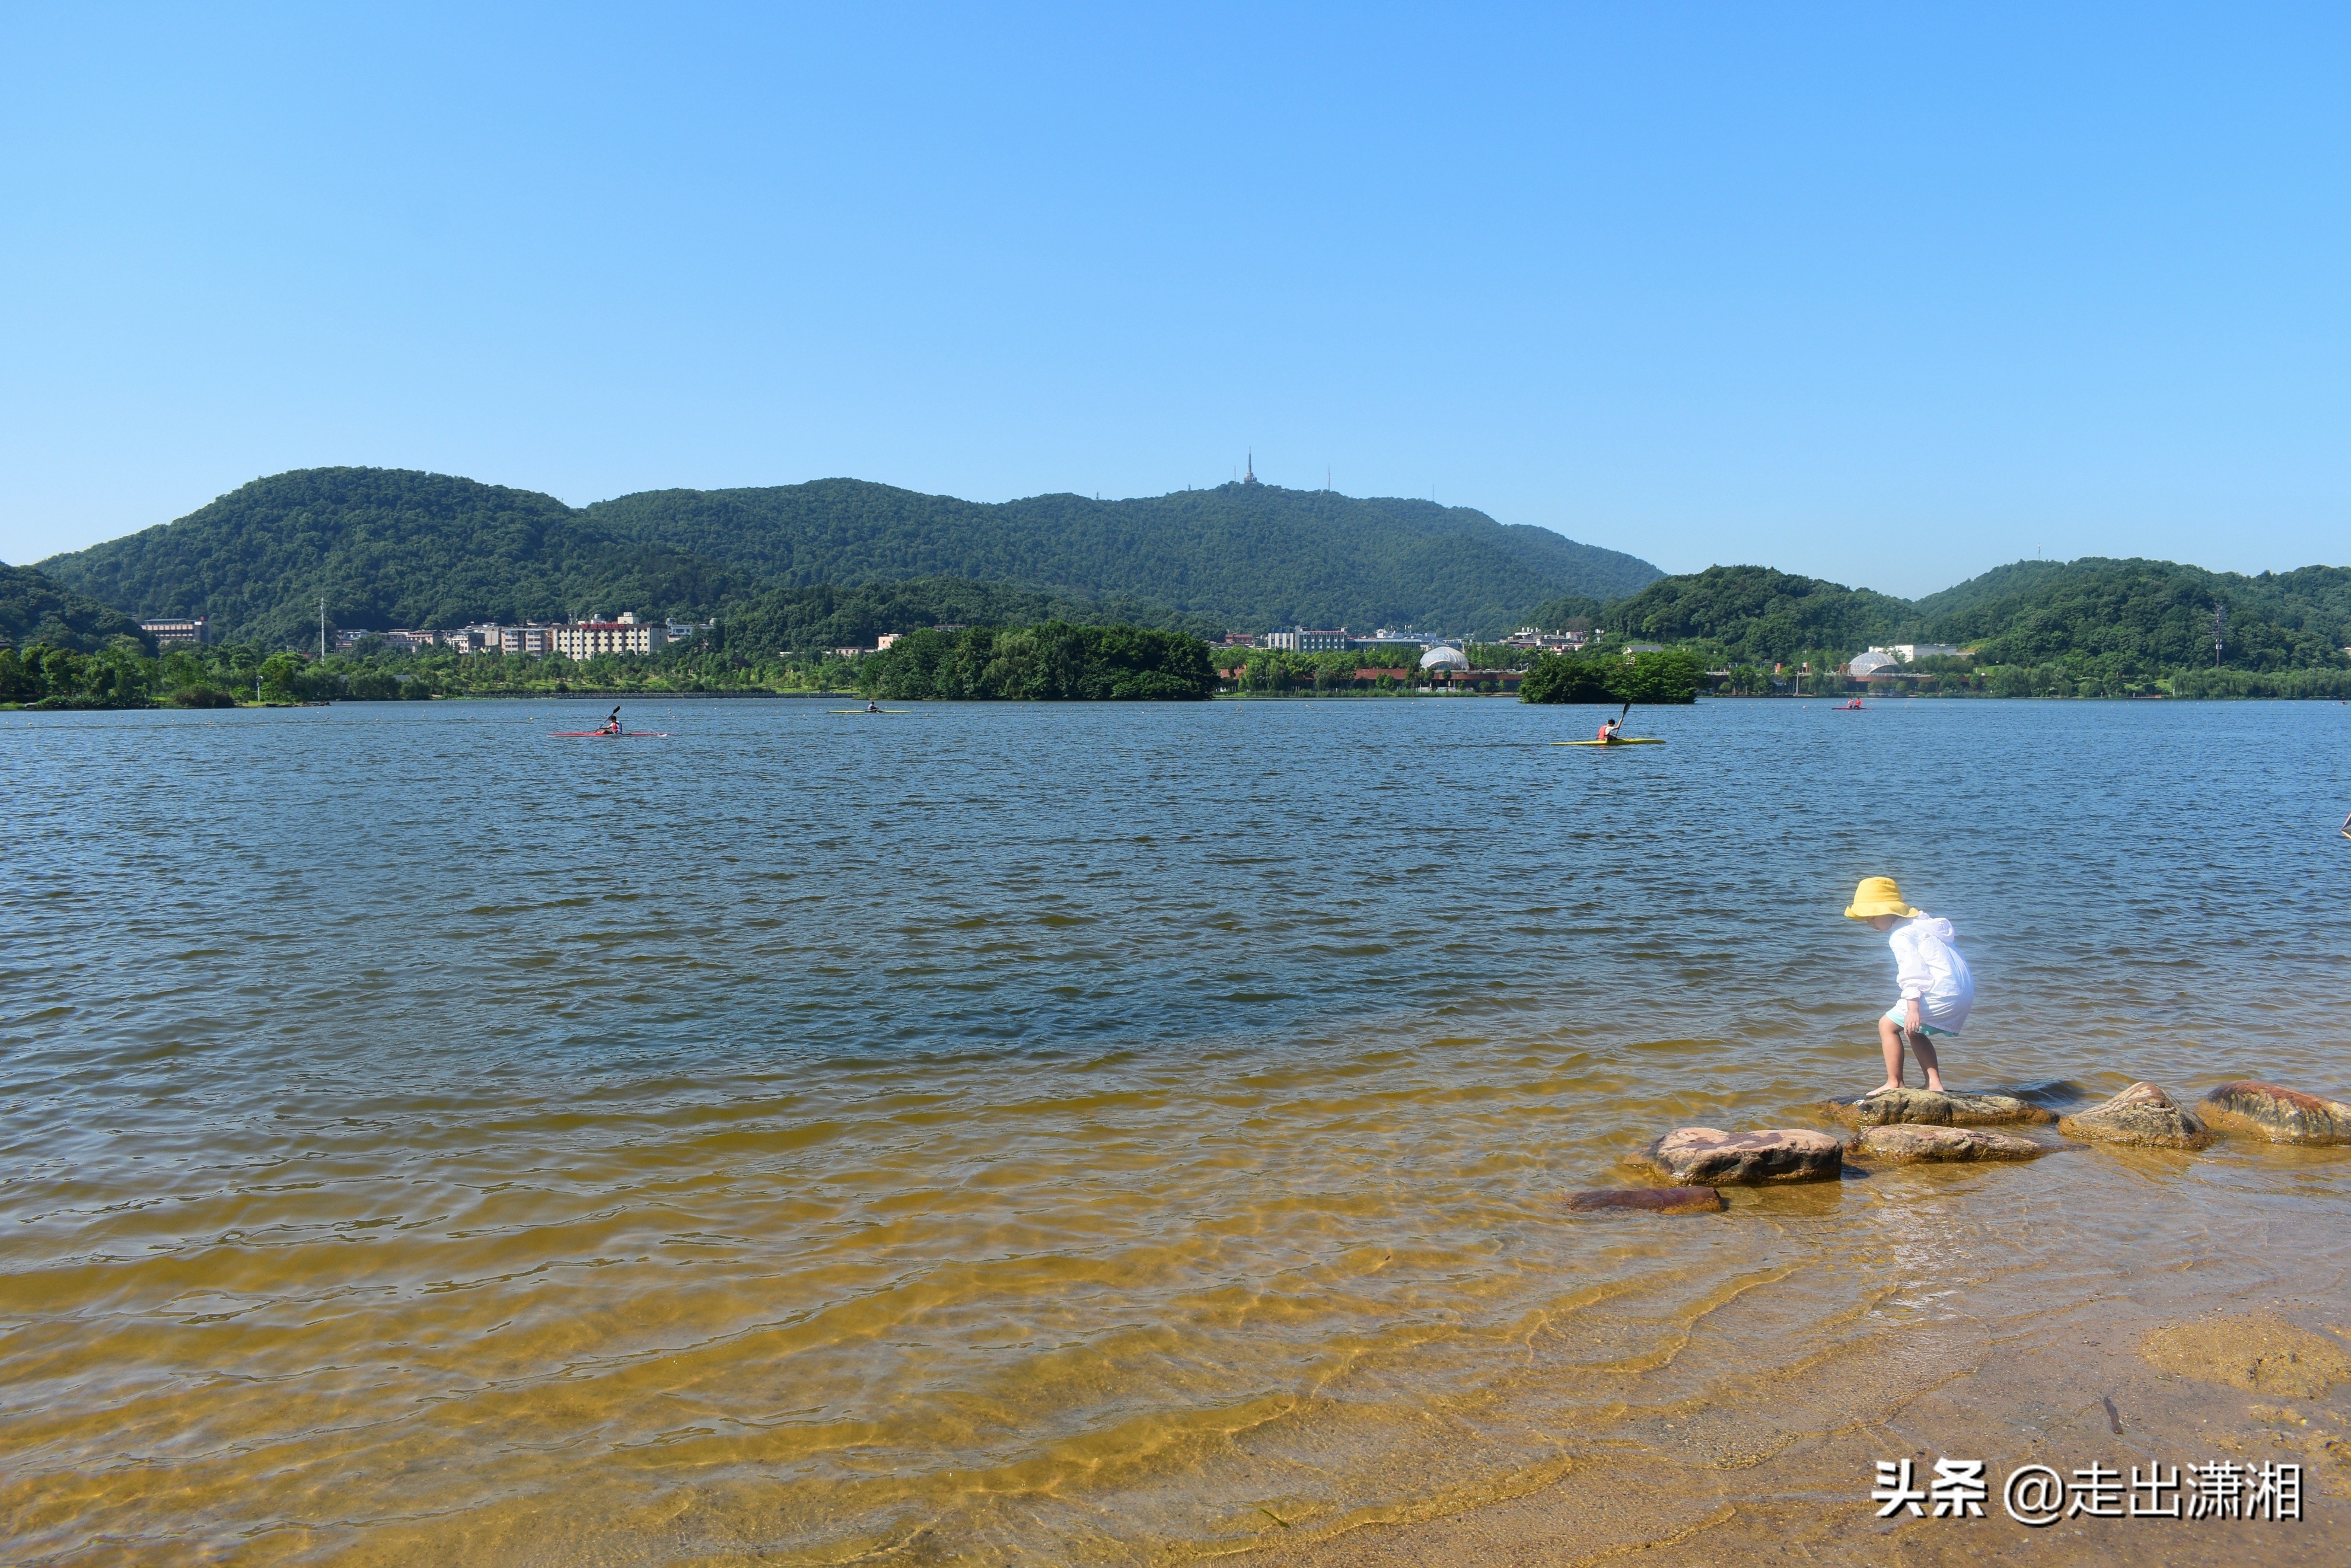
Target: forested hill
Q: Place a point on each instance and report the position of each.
(386, 547)
(391, 548)
(1757, 615)
(34, 610)
(1253, 555)
(2122, 616)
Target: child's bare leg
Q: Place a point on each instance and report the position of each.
(1924, 1052)
(1889, 1037)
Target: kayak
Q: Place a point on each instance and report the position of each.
(607, 735)
(869, 713)
(1636, 740)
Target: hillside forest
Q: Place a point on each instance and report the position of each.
(425, 550)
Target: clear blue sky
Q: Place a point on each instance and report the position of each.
(1884, 294)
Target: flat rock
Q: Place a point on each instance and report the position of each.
(1901, 1144)
(1704, 1157)
(1933, 1108)
(2142, 1115)
(2280, 1115)
(1653, 1199)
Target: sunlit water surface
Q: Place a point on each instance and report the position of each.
(1063, 1133)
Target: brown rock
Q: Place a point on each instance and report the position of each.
(1655, 1199)
(1704, 1156)
(1933, 1108)
(1900, 1144)
(2142, 1115)
(2280, 1115)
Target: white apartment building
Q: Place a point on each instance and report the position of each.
(178, 630)
(586, 639)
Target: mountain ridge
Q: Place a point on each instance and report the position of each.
(399, 546)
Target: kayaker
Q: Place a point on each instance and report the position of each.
(1608, 730)
(872, 707)
(1938, 990)
(611, 724)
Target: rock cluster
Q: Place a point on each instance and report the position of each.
(1901, 1145)
(1653, 1199)
(1704, 1157)
(2144, 1116)
(2280, 1115)
(1933, 1108)
(1899, 1126)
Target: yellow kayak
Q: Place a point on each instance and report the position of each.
(1636, 740)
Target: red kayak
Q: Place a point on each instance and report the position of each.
(607, 735)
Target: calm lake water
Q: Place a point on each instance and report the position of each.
(1076, 1134)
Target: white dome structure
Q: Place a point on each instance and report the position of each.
(1865, 665)
(1444, 658)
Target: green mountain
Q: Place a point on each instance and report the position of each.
(2146, 614)
(385, 548)
(34, 610)
(1253, 555)
(1756, 615)
(390, 547)
(2123, 618)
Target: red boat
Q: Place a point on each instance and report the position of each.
(1853, 706)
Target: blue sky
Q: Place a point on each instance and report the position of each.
(1889, 295)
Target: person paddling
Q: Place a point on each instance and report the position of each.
(1608, 730)
(871, 707)
(611, 724)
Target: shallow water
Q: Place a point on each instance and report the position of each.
(1087, 1132)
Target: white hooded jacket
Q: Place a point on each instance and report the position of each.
(1931, 971)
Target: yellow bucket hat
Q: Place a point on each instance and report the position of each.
(1877, 896)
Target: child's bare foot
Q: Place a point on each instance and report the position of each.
(1935, 1084)
(1883, 1089)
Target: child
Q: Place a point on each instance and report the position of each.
(1937, 988)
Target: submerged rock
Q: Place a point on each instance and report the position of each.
(1902, 1143)
(2142, 1115)
(1655, 1199)
(1933, 1108)
(2280, 1115)
(1706, 1156)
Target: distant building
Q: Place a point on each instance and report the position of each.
(1877, 661)
(887, 640)
(348, 638)
(1444, 658)
(168, 631)
(530, 639)
(589, 639)
(1298, 640)
(1547, 642)
(1906, 651)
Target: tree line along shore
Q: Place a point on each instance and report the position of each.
(1049, 660)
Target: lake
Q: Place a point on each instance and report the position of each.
(1103, 1133)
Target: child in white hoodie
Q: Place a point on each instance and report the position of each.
(1937, 988)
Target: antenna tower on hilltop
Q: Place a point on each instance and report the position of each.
(1250, 478)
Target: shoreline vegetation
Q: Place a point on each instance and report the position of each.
(1049, 660)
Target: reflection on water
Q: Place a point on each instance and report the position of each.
(1101, 1133)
